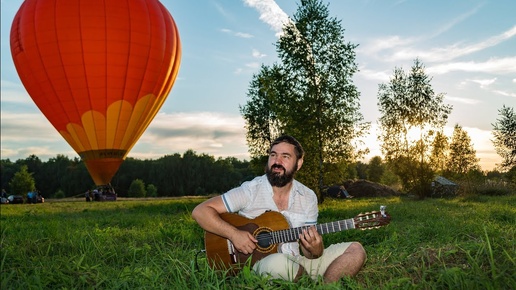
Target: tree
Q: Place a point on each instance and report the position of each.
(375, 169)
(137, 189)
(411, 114)
(439, 154)
(22, 182)
(462, 154)
(152, 191)
(309, 95)
(504, 132)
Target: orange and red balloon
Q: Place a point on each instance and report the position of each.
(99, 70)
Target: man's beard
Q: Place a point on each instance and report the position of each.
(277, 179)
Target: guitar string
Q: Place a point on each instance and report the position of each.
(293, 233)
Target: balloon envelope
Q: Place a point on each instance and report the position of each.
(99, 70)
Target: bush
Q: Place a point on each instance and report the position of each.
(137, 189)
(59, 194)
(152, 190)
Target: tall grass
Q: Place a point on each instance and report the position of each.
(462, 243)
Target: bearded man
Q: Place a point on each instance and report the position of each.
(277, 190)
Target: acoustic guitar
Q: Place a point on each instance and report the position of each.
(270, 229)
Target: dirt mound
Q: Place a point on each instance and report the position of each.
(365, 188)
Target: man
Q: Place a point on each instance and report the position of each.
(277, 190)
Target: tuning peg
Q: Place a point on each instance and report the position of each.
(382, 210)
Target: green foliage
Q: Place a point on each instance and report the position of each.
(439, 155)
(504, 132)
(511, 175)
(411, 115)
(462, 243)
(137, 189)
(376, 169)
(172, 175)
(462, 157)
(152, 191)
(59, 194)
(310, 95)
(22, 182)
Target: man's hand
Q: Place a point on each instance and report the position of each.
(243, 241)
(311, 243)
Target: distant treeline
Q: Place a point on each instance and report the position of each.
(172, 175)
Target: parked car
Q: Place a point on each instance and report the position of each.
(13, 199)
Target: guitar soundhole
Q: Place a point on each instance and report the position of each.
(264, 238)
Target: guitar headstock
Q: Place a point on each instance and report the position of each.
(372, 220)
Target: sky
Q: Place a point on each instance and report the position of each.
(468, 48)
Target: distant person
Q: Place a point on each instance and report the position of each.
(96, 195)
(30, 197)
(345, 192)
(338, 192)
(3, 197)
(87, 194)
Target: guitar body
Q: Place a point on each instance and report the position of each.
(220, 252)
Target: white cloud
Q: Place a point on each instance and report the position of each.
(396, 49)
(380, 76)
(505, 93)
(237, 34)
(270, 13)
(257, 54)
(484, 83)
(493, 65)
(217, 134)
(467, 101)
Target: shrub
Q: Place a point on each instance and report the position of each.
(59, 194)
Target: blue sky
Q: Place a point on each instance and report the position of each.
(468, 48)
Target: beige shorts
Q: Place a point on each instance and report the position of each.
(285, 266)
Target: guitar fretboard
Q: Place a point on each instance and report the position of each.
(291, 235)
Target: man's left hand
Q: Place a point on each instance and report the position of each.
(312, 242)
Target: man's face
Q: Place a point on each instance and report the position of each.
(282, 164)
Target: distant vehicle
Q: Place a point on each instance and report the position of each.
(14, 199)
(104, 193)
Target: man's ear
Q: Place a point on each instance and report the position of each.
(299, 163)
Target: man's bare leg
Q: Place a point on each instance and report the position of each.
(347, 264)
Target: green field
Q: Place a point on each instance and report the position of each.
(461, 243)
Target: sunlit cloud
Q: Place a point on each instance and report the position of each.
(466, 101)
(217, 134)
(484, 83)
(494, 65)
(380, 76)
(270, 13)
(396, 48)
(505, 93)
(14, 93)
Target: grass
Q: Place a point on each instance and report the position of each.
(462, 243)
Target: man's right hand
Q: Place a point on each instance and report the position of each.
(243, 241)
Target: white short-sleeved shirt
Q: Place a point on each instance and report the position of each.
(254, 197)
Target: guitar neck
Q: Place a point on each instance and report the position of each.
(292, 234)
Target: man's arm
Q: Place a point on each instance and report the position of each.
(207, 215)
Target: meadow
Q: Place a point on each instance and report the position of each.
(460, 243)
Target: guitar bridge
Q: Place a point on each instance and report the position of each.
(231, 251)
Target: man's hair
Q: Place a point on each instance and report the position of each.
(290, 140)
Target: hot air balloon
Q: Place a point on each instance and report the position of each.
(99, 70)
